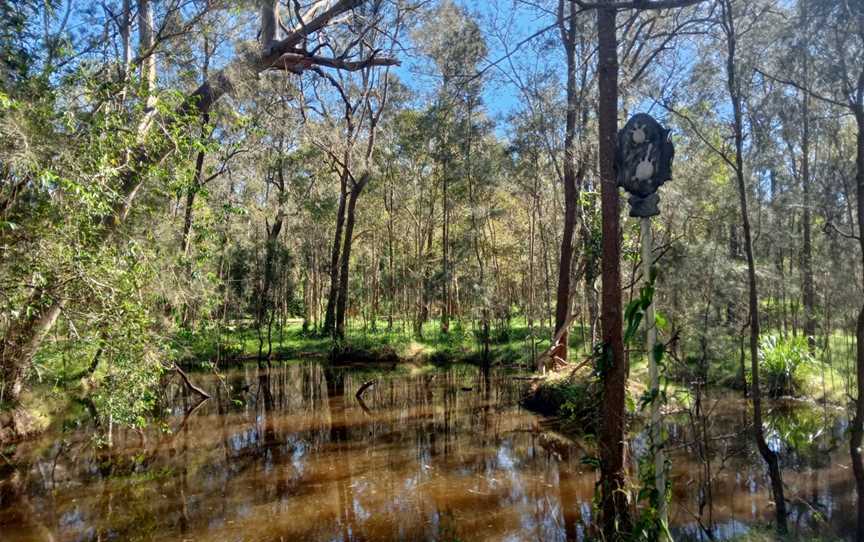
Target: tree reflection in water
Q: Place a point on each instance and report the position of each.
(289, 453)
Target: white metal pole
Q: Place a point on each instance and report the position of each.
(653, 374)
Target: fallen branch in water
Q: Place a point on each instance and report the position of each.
(365, 386)
(363, 406)
(189, 383)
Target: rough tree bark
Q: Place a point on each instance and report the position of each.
(571, 194)
(615, 515)
(342, 294)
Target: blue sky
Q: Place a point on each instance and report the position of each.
(500, 98)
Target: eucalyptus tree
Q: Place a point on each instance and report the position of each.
(734, 17)
(364, 100)
(615, 515)
(455, 43)
(838, 79)
(572, 33)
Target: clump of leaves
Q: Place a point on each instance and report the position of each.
(782, 360)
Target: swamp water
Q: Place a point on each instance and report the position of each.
(292, 455)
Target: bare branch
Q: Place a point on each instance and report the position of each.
(639, 4)
(725, 157)
(357, 65)
(830, 226)
(810, 92)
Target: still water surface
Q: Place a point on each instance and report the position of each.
(292, 455)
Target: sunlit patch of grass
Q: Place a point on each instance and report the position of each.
(516, 347)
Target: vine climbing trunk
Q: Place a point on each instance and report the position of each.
(653, 374)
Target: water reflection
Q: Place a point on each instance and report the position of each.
(291, 454)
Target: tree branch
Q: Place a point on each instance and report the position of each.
(830, 225)
(801, 88)
(639, 4)
(725, 157)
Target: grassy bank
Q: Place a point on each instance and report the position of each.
(517, 346)
(61, 369)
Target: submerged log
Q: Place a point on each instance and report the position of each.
(189, 383)
(363, 387)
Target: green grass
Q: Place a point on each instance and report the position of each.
(516, 345)
(830, 376)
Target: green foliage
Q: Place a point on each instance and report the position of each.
(635, 311)
(782, 361)
(648, 525)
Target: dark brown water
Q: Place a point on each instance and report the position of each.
(292, 455)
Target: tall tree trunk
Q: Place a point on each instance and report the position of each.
(330, 314)
(145, 47)
(198, 180)
(808, 289)
(615, 515)
(445, 263)
(266, 304)
(191, 193)
(734, 89)
(391, 266)
(345, 267)
(571, 195)
(858, 422)
(126, 36)
(476, 234)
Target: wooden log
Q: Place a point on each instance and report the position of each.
(189, 383)
(365, 386)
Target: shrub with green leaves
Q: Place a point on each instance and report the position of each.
(782, 360)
